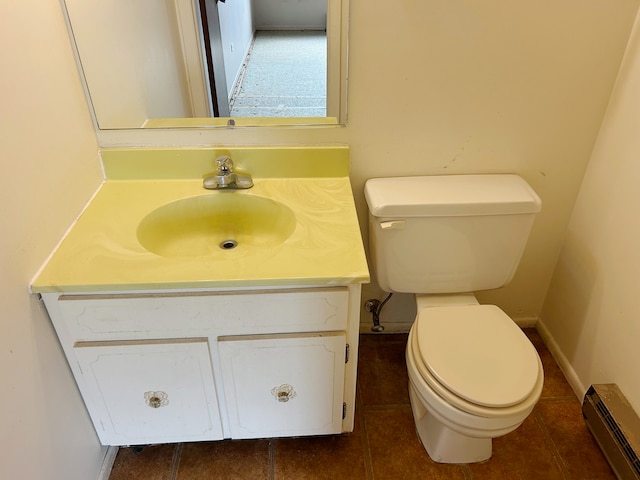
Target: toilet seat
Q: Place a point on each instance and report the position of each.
(476, 358)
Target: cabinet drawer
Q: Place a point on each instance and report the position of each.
(93, 317)
(149, 392)
(283, 385)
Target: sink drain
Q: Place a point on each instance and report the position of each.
(228, 244)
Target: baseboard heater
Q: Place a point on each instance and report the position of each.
(616, 428)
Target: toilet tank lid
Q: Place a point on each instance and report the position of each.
(450, 195)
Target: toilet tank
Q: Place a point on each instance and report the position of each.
(449, 233)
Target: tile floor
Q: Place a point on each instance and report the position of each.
(553, 443)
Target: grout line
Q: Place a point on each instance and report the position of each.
(551, 444)
(559, 399)
(364, 440)
(368, 461)
(272, 459)
(175, 461)
(466, 471)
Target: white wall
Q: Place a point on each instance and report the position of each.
(143, 62)
(592, 313)
(289, 14)
(236, 30)
(50, 167)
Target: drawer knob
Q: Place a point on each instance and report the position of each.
(283, 393)
(156, 399)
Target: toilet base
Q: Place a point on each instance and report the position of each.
(443, 444)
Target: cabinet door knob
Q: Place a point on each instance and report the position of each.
(156, 399)
(283, 393)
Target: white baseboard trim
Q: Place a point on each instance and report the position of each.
(570, 374)
(526, 322)
(107, 463)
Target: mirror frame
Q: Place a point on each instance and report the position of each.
(337, 87)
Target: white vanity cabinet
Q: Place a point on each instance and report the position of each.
(159, 367)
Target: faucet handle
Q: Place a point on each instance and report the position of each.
(225, 164)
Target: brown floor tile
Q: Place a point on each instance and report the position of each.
(579, 452)
(225, 460)
(382, 370)
(151, 463)
(535, 338)
(523, 454)
(320, 458)
(396, 451)
(382, 338)
(555, 383)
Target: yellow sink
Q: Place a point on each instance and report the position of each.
(221, 221)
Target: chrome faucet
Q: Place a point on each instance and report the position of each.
(225, 177)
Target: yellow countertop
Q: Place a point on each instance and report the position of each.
(101, 252)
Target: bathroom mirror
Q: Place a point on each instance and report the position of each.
(174, 63)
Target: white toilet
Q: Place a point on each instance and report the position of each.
(473, 374)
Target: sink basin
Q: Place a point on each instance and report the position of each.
(213, 223)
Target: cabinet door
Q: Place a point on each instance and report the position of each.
(149, 392)
(283, 385)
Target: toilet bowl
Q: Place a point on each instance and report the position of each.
(473, 376)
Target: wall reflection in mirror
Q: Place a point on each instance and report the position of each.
(198, 63)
